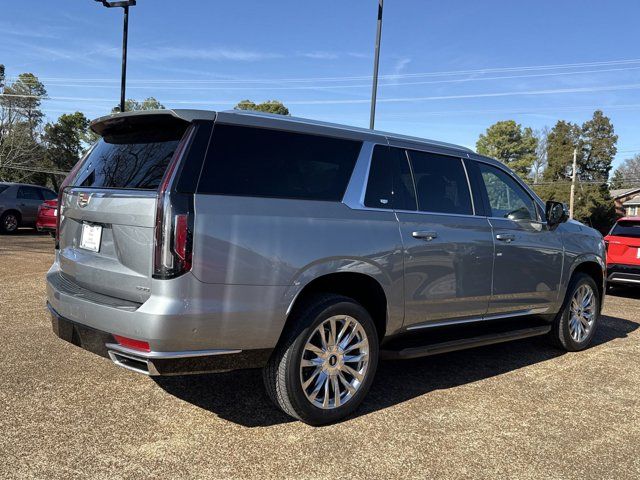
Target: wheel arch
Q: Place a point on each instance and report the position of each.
(593, 266)
(363, 288)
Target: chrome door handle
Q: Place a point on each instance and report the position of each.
(428, 236)
(506, 237)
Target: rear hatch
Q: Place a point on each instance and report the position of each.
(108, 210)
(623, 243)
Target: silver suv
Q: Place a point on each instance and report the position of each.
(195, 241)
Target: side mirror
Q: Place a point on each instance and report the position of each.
(556, 213)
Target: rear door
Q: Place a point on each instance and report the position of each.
(448, 249)
(108, 214)
(29, 199)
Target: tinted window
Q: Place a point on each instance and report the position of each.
(29, 193)
(390, 184)
(48, 194)
(626, 228)
(130, 160)
(441, 183)
(506, 198)
(3, 188)
(270, 163)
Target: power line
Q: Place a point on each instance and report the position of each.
(27, 169)
(364, 77)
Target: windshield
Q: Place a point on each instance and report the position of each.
(626, 228)
(132, 160)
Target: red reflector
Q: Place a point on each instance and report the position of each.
(182, 229)
(131, 343)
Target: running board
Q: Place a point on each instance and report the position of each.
(462, 344)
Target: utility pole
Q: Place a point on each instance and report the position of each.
(125, 34)
(376, 62)
(573, 182)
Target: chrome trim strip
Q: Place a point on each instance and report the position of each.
(142, 356)
(357, 186)
(622, 280)
(521, 313)
(466, 174)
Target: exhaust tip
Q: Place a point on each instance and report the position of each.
(135, 364)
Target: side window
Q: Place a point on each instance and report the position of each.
(48, 194)
(507, 199)
(259, 162)
(389, 184)
(441, 183)
(29, 193)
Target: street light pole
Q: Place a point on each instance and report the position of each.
(125, 4)
(125, 35)
(376, 62)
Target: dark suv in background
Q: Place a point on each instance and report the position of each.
(19, 204)
(196, 241)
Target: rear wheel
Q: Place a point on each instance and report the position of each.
(9, 222)
(575, 325)
(324, 367)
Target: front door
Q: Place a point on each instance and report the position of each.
(528, 255)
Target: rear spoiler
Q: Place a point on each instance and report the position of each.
(125, 121)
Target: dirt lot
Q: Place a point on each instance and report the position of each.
(520, 410)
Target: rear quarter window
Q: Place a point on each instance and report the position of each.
(3, 188)
(257, 162)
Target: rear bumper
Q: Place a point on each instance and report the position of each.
(154, 362)
(618, 273)
(46, 225)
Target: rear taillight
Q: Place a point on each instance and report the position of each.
(174, 222)
(65, 183)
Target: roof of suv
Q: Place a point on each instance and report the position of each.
(23, 185)
(191, 115)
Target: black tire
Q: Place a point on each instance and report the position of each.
(282, 374)
(560, 334)
(9, 222)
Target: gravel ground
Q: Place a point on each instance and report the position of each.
(519, 410)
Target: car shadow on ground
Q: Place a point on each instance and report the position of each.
(624, 291)
(26, 240)
(240, 397)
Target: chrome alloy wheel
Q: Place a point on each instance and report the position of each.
(334, 362)
(10, 222)
(582, 313)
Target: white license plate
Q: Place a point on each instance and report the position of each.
(90, 237)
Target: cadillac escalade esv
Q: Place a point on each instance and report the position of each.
(198, 241)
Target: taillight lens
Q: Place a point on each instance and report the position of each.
(65, 183)
(173, 231)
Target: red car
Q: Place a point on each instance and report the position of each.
(623, 252)
(47, 216)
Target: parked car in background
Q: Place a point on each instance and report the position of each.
(623, 252)
(194, 241)
(47, 216)
(19, 204)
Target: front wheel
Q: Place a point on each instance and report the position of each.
(9, 222)
(575, 325)
(324, 367)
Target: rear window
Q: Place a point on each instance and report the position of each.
(132, 160)
(626, 228)
(258, 162)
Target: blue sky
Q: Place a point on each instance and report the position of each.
(448, 69)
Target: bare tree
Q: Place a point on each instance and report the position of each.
(541, 161)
